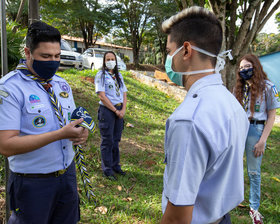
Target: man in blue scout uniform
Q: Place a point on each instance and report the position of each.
(205, 136)
(36, 135)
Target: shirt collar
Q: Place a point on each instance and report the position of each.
(213, 79)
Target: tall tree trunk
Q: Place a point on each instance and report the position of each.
(136, 57)
(33, 11)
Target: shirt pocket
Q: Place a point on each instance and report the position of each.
(109, 86)
(38, 119)
(67, 107)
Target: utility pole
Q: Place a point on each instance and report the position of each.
(4, 71)
(33, 11)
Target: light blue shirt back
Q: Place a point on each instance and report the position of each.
(204, 144)
(26, 107)
(108, 86)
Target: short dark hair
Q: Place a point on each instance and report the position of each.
(41, 32)
(198, 26)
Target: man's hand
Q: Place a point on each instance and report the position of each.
(78, 135)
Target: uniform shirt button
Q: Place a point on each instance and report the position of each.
(39, 111)
(65, 164)
(194, 95)
(68, 106)
(64, 147)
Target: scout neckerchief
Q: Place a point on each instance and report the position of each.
(116, 84)
(88, 123)
(245, 100)
(79, 154)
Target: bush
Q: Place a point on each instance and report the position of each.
(126, 59)
(15, 37)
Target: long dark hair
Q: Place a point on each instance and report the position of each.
(115, 70)
(258, 81)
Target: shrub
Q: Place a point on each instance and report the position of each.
(15, 37)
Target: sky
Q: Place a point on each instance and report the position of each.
(271, 26)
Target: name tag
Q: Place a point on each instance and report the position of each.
(257, 108)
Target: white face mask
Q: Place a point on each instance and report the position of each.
(110, 64)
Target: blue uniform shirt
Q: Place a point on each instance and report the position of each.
(108, 86)
(25, 106)
(270, 100)
(204, 144)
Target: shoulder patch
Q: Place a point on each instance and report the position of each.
(6, 77)
(191, 103)
(275, 91)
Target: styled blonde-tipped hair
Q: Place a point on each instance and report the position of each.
(198, 26)
(167, 24)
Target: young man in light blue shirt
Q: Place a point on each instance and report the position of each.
(206, 134)
(36, 134)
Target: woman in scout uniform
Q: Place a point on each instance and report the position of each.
(111, 90)
(259, 98)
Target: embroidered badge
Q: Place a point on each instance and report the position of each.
(4, 93)
(39, 122)
(37, 106)
(64, 94)
(69, 116)
(34, 99)
(111, 86)
(275, 91)
(257, 108)
(64, 87)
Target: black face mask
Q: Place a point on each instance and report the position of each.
(45, 69)
(246, 74)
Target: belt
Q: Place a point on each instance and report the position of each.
(40, 175)
(257, 122)
(118, 104)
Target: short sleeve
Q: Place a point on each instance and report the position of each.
(99, 83)
(272, 97)
(10, 110)
(187, 161)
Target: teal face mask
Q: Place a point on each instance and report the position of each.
(177, 77)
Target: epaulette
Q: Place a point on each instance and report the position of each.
(6, 77)
(193, 103)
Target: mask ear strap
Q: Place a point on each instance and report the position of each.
(220, 64)
(180, 48)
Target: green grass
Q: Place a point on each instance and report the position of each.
(136, 197)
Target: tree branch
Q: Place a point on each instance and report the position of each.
(245, 26)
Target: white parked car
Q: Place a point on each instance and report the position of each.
(93, 59)
(69, 58)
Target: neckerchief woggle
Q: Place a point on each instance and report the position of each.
(77, 113)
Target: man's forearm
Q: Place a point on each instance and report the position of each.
(177, 214)
(12, 144)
